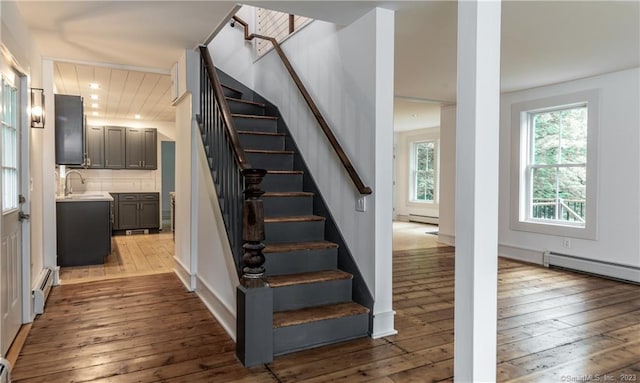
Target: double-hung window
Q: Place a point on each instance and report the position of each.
(554, 165)
(425, 171)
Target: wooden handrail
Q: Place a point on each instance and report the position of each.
(362, 188)
(226, 112)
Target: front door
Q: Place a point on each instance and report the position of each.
(10, 227)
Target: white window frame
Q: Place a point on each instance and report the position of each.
(436, 171)
(520, 157)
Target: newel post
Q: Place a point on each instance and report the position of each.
(254, 315)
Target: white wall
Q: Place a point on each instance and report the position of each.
(618, 168)
(405, 205)
(345, 69)
(447, 227)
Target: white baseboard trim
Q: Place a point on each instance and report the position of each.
(402, 218)
(56, 275)
(383, 324)
(225, 315)
(519, 253)
(185, 276)
(447, 239)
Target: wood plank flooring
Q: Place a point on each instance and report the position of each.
(131, 255)
(553, 326)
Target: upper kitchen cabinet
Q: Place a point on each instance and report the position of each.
(114, 147)
(69, 130)
(141, 148)
(95, 147)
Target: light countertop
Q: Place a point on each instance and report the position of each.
(89, 196)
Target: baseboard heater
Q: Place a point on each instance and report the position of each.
(42, 291)
(590, 266)
(423, 219)
(5, 368)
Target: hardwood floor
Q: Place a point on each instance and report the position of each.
(131, 255)
(553, 326)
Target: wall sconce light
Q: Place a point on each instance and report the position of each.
(37, 108)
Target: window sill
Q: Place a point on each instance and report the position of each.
(556, 229)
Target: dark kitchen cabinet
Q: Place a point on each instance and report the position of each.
(95, 147)
(138, 211)
(69, 130)
(83, 232)
(141, 148)
(114, 147)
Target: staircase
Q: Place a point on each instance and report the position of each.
(312, 297)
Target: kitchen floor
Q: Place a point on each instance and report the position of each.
(131, 255)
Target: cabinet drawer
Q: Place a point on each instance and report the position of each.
(149, 197)
(128, 197)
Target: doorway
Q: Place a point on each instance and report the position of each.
(12, 91)
(168, 158)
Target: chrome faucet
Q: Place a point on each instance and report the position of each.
(67, 189)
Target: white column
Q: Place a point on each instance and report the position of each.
(476, 201)
(383, 314)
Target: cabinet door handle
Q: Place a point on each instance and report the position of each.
(143, 163)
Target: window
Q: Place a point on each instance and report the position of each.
(425, 171)
(554, 167)
(9, 121)
(557, 169)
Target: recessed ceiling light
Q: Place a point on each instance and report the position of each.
(94, 105)
(94, 96)
(95, 113)
(94, 85)
(137, 116)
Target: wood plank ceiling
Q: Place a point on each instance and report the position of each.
(122, 94)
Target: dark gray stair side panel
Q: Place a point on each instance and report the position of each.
(287, 206)
(244, 108)
(255, 124)
(278, 232)
(282, 182)
(271, 161)
(308, 335)
(261, 142)
(311, 294)
(293, 262)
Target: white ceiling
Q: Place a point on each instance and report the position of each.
(543, 42)
(122, 94)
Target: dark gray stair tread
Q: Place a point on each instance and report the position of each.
(268, 151)
(261, 133)
(231, 88)
(254, 116)
(285, 172)
(244, 101)
(317, 313)
(287, 194)
(297, 246)
(297, 218)
(306, 278)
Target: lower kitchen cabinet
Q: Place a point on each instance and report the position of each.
(137, 211)
(83, 232)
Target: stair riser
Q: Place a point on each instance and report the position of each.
(293, 262)
(271, 161)
(301, 337)
(260, 142)
(312, 294)
(244, 108)
(256, 124)
(287, 206)
(278, 232)
(282, 182)
(231, 93)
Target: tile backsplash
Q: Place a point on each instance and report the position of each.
(115, 181)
